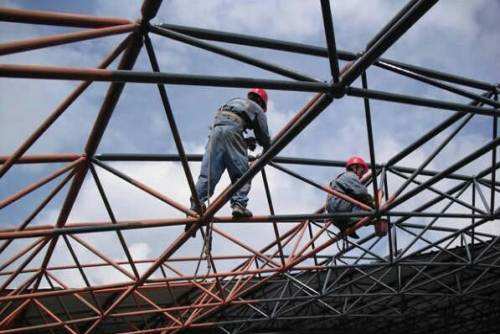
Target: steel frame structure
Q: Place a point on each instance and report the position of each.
(427, 284)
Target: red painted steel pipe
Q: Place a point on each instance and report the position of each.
(43, 158)
(61, 108)
(43, 42)
(87, 227)
(120, 287)
(36, 185)
(58, 19)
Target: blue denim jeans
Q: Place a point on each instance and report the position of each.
(226, 149)
(337, 205)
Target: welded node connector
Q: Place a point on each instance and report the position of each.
(337, 91)
(149, 9)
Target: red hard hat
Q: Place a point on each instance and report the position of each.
(261, 93)
(355, 160)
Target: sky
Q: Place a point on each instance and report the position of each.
(460, 37)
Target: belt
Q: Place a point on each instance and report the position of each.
(232, 116)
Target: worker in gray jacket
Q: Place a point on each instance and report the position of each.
(349, 183)
(227, 147)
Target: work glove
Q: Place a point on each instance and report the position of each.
(251, 143)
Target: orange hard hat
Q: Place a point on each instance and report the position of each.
(261, 93)
(355, 160)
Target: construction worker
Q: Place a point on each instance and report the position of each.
(349, 183)
(227, 147)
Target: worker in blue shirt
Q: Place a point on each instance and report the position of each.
(227, 148)
(349, 183)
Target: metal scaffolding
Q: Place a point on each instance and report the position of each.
(291, 285)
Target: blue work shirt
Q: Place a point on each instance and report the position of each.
(254, 116)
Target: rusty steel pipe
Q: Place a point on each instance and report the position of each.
(119, 287)
(88, 227)
(43, 42)
(58, 19)
(42, 158)
(63, 106)
(11, 199)
(122, 76)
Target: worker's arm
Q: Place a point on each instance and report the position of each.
(261, 130)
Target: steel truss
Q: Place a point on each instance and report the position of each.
(298, 281)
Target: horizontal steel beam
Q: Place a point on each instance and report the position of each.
(277, 159)
(420, 101)
(43, 42)
(300, 48)
(67, 157)
(58, 19)
(230, 54)
(92, 74)
(43, 158)
(91, 227)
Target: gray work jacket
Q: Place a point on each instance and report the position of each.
(254, 117)
(349, 184)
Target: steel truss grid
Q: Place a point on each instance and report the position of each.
(436, 288)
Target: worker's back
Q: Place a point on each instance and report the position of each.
(347, 183)
(251, 113)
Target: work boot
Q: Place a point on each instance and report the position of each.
(354, 235)
(239, 211)
(193, 208)
(344, 227)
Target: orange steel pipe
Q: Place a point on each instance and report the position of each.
(43, 158)
(237, 284)
(76, 295)
(38, 209)
(301, 234)
(47, 326)
(28, 259)
(236, 292)
(102, 256)
(241, 244)
(11, 199)
(150, 302)
(105, 264)
(60, 109)
(160, 281)
(53, 316)
(5, 323)
(229, 274)
(247, 271)
(200, 301)
(313, 239)
(58, 19)
(287, 237)
(17, 291)
(196, 284)
(49, 230)
(291, 263)
(43, 42)
(20, 253)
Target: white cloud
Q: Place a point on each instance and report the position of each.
(291, 18)
(140, 250)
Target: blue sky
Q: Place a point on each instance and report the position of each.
(459, 37)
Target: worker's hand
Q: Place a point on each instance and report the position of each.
(251, 143)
